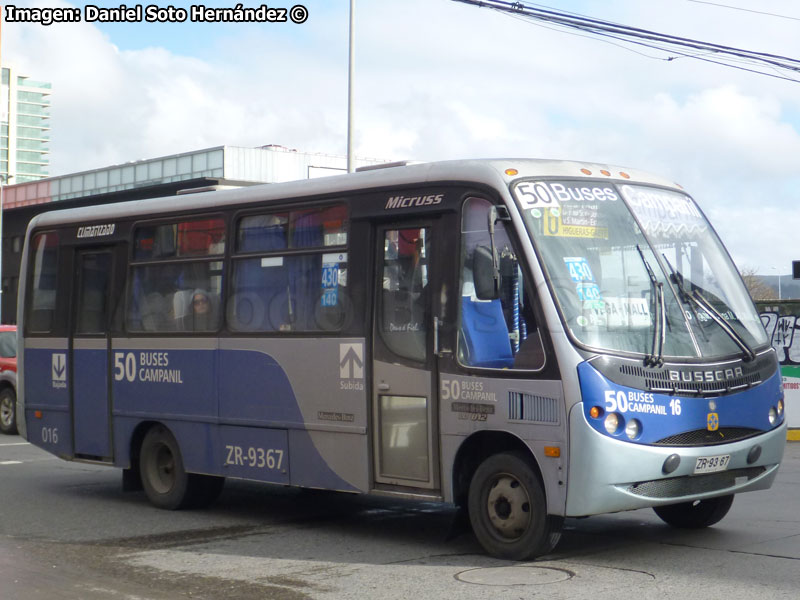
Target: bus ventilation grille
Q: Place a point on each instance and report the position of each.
(659, 381)
(703, 437)
(526, 407)
(687, 486)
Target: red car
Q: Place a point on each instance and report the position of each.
(8, 379)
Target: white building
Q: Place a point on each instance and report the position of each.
(25, 123)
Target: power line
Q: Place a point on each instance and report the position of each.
(761, 63)
(750, 10)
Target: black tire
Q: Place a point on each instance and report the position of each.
(164, 478)
(695, 515)
(508, 510)
(8, 411)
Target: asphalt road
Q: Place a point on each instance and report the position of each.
(67, 531)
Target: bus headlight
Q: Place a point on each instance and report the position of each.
(773, 415)
(611, 423)
(633, 429)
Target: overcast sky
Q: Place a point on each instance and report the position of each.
(437, 79)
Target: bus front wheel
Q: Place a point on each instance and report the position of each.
(697, 514)
(508, 511)
(164, 478)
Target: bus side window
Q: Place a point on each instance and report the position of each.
(288, 275)
(494, 332)
(162, 290)
(43, 294)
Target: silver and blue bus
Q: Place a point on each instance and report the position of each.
(529, 340)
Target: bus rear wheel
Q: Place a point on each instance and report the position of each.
(697, 514)
(164, 478)
(508, 511)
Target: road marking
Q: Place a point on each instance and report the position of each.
(10, 462)
(16, 444)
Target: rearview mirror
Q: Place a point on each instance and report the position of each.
(485, 275)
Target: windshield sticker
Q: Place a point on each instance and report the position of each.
(625, 312)
(563, 223)
(663, 213)
(548, 194)
(585, 286)
(579, 269)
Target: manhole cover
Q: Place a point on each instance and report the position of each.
(515, 576)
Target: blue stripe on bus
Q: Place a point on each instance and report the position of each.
(663, 415)
(192, 392)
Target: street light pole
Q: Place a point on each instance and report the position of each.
(351, 68)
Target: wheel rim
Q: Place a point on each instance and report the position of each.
(162, 469)
(509, 507)
(6, 411)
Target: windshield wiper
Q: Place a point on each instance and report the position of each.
(655, 358)
(703, 303)
(677, 278)
(695, 298)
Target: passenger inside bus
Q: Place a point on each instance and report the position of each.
(202, 315)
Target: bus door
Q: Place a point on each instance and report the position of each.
(404, 394)
(89, 348)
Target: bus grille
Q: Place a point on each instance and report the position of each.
(660, 381)
(527, 407)
(677, 487)
(703, 437)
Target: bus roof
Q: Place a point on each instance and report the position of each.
(493, 172)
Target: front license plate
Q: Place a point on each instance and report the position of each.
(711, 464)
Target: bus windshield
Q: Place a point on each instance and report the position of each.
(638, 269)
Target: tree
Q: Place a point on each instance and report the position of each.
(756, 286)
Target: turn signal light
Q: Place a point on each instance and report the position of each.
(552, 451)
(38, 414)
(596, 412)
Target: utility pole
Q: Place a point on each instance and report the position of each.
(350, 158)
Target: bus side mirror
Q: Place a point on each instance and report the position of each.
(485, 275)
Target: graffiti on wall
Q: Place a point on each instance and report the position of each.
(783, 331)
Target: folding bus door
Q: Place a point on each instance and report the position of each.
(404, 394)
(91, 405)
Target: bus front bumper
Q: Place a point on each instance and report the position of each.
(608, 475)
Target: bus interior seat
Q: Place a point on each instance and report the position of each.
(259, 283)
(153, 312)
(181, 308)
(485, 333)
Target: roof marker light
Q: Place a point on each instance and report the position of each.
(586, 171)
(624, 175)
(512, 172)
(606, 173)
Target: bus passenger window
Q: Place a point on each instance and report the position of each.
(160, 297)
(296, 292)
(497, 330)
(43, 293)
(163, 284)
